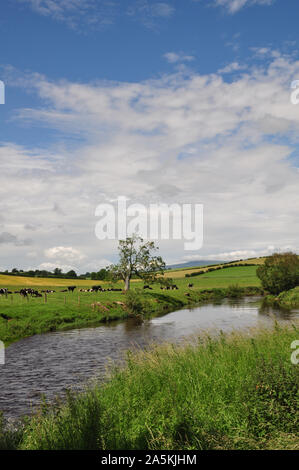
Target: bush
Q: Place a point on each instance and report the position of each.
(234, 292)
(134, 303)
(279, 273)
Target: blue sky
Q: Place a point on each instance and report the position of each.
(134, 44)
(79, 75)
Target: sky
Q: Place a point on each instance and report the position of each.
(161, 102)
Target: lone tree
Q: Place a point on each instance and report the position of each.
(279, 273)
(136, 259)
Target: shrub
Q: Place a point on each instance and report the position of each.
(234, 291)
(134, 302)
(279, 273)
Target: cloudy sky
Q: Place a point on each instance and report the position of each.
(163, 102)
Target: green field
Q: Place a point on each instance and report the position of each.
(239, 391)
(25, 317)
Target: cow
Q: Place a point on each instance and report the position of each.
(96, 288)
(190, 285)
(24, 293)
(71, 288)
(147, 287)
(36, 294)
(5, 317)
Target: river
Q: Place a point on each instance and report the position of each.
(51, 363)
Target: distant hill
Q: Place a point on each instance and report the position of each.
(192, 264)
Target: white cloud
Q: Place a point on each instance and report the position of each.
(64, 253)
(233, 67)
(245, 254)
(51, 266)
(174, 57)
(235, 5)
(179, 138)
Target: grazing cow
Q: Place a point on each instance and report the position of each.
(147, 287)
(174, 287)
(71, 288)
(190, 285)
(36, 294)
(3, 291)
(24, 292)
(28, 291)
(96, 288)
(5, 317)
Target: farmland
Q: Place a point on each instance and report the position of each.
(20, 317)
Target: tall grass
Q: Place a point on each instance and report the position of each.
(237, 391)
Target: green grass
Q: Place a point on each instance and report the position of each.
(289, 299)
(65, 311)
(74, 310)
(243, 276)
(237, 391)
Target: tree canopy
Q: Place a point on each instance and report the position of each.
(280, 272)
(136, 258)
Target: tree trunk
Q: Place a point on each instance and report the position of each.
(127, 283)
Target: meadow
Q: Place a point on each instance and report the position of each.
(236, 391)
(181, 272)
(21, 317)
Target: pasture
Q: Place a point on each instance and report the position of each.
(21, 317)
(181, 272)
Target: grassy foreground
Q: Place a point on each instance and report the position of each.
(238, 391)
(59, 310)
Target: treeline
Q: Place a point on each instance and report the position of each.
(57, 273)
(101, 275)
(225, 266)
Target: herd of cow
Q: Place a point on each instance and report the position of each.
(35, 293)
(99, 289)
(26, 292)
(173, 287)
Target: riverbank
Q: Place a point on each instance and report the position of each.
(22, 318)
(237, 391)
(287, 299)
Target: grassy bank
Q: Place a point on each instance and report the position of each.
(288, 299)
(21, 317)
(239, 391)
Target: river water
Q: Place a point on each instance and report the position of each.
(49, 364)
